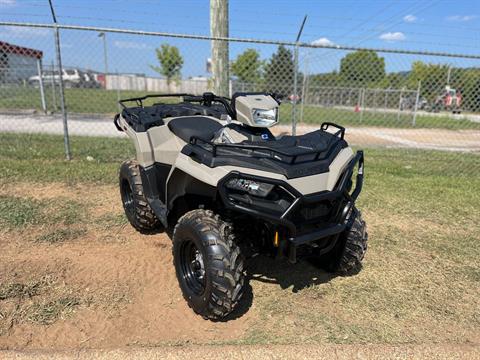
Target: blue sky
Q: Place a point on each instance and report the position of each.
(434, 25)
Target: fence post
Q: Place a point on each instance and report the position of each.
(400, 104)
(54, 91)
(362, 104)
(66, 139)
(295, 95)
(40, 84)
(417, 98)
(117, 83)
(295, 77)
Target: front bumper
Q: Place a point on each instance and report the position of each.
(339, 202)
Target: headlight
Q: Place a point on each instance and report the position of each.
(265, 117)
(249, 186)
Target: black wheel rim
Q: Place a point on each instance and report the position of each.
(127, 197)
(192, 267)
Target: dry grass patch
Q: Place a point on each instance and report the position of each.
(61, 235)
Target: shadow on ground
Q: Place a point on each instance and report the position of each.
(298, 276)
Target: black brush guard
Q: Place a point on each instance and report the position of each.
(341, 197)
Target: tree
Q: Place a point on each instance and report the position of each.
(323, 79)
(170, 60)
(432, 76)
(395, 80)
(362, 68)
(248, 67)
(279, 72)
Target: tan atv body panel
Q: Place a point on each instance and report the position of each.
(159, 144)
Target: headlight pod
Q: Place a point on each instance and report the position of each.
(263, 117)
(251, 187)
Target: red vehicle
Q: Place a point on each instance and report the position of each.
(450, 100)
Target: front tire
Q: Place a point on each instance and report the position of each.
(138, 211)
(347, 256)
(208, 264)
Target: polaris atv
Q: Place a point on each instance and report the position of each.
(209, 172)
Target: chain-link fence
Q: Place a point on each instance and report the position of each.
(385, 98)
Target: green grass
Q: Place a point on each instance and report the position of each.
(77, 100)
(99, 101)
(40, 158)
(19, 212)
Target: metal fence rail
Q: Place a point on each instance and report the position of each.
(386, 98)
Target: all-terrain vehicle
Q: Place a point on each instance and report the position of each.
(210, 172)
(449, 100)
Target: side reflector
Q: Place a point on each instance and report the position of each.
(275, 239)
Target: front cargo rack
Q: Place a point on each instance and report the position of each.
(295, 155)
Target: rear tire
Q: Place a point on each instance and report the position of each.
(208, 264)
(347, 255)
(138, 211)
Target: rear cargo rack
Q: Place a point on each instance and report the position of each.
(207, 99)
(139, 100)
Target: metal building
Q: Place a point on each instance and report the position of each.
(18, 63)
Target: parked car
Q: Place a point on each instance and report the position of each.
(88, 80)
(71, 78)
(408, 103)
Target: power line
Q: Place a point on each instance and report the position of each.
(368, 19)
(395, 24)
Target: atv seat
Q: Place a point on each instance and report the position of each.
(198, 126)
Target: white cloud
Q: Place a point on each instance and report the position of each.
(7, 3)
(131, 45)
(462, 18)
(24, 32)
(393, 36)
(410, 18)
(323, 42)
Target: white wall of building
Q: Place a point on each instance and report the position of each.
(151, 84)
(18, 68)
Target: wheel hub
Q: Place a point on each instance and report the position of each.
(193, 267)
(198, 266)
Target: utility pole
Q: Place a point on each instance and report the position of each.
(220, 63)
(105, 59)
